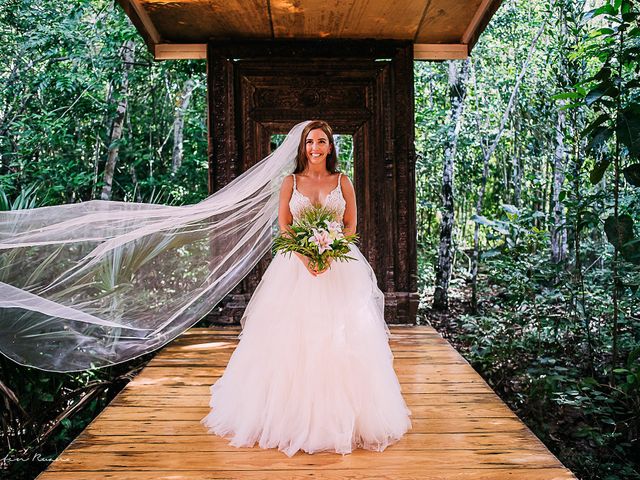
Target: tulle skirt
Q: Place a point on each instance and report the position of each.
(313, 370)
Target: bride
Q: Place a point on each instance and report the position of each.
(313, 370)
(97, 283)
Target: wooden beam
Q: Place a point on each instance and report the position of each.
(422, 51)
(440, 51)
(135, 19)
(479, 22)
(146, 21)
(180, 51)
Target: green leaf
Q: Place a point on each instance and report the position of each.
(602, 31)
(588, 219)
(632, 174)
(598, 171)
(619, 231)
(596, 123)
(633, 356)
(482, 220)
(594, 95)
(494, 252)
(620, 370)
(629, 128)
(606, 9)
(565, 95)
(46, 396)
(631, 251)
(604, 89)
(598, 137)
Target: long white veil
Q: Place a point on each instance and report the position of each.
(101, 282)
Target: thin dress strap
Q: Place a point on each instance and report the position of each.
(339, 184)
(294, 180)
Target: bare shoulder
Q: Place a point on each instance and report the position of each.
(345, 182)
(287, 184)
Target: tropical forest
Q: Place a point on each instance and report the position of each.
(527, 199)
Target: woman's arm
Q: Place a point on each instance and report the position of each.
(350, 219)
(285, 218)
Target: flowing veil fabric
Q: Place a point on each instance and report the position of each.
(101, 282)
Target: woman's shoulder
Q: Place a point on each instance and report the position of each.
(344, 179)
(287, 183)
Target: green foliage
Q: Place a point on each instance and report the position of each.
(613, 95)
(61, 75)
(43, 412)
(300, 238)
(544, 335)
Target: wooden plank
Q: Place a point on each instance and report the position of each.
(206, 442)
(150, 388)
(180, 51)
(450, 474)
(419, 425)
(349, 19)
(408, 380)
(446, 21)
(270, 460)
(128, 399)
(161, 399)
(195, 413)
(424, 370)
(474, 31)
(186, 21)
(474, 24)
(222, 360)
(433, 51)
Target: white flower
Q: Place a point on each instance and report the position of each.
(335, 230)
(321, 239)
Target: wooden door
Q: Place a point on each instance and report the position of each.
(364, 89)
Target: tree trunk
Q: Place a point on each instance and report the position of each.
(118, 122)
(178, 125)
(457, 93)
(558, 230)
(487, 153)
(516, 165)
(475, 256)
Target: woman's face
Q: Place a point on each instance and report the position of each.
(318, 147)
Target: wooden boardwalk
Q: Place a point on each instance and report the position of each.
(461, 428)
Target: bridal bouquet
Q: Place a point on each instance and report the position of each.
(318, 236)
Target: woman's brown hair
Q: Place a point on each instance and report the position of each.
(301, 159)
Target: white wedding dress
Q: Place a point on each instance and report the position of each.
(313, 370)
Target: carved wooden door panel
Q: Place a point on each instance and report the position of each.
(364, 89)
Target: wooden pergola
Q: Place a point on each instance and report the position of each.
(274, 63)
(439, 29)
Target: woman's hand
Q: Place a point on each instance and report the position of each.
(305, 261)
(312, 270)
(329, 260)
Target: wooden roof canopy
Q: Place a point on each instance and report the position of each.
(439, 29)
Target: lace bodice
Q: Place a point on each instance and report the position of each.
(335, 201)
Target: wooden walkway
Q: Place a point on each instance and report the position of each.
(461, 428)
